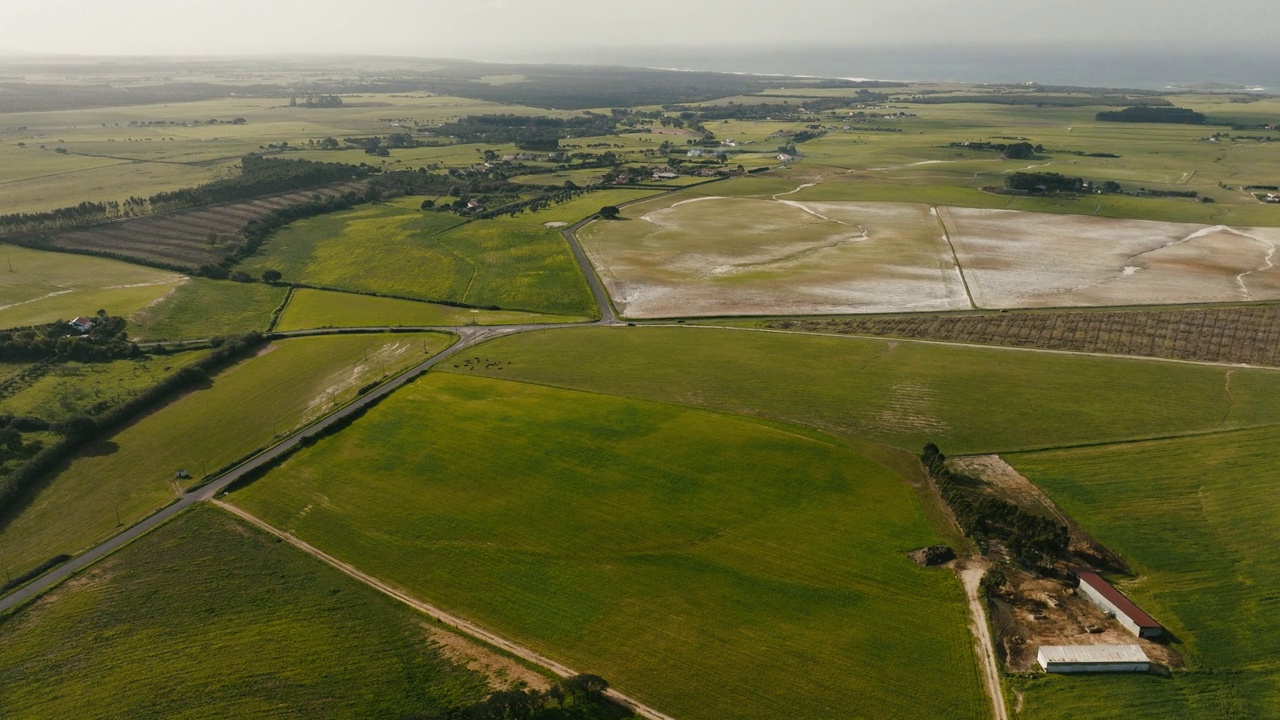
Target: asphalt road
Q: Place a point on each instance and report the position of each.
(468, 337)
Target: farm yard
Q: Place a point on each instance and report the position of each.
(1195, 517)
(617, 534)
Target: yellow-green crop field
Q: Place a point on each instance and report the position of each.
(709, 565)
(309, 309)
(209, 612)
(46, 286)
(129, 475)
(1197, 519)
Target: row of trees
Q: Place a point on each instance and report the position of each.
(258, 176)
(526, 132)
(1031, 540)
(1044, 182)
(1149, 114)
(78, 431)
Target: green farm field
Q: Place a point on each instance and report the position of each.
(209, 612)
(1197, 519)
(202, 308)
(48, 286)
(289, 384)
(107, 159)
(396, 249)
(966, 399)
(309, 309)
(709, 565)
(71, 389)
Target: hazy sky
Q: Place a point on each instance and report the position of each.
(524, 29)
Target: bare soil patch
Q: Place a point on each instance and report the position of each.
(688, 256)
(502, 672)
(1019, 259)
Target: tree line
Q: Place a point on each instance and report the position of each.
(77, 432)
(526, 132)
(258, 176)
(1031, 540)
(1149, 114)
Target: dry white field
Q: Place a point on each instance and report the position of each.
(1018, 259)
(685, 255)
(682, 256)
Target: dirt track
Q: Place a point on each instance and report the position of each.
(436, 613)
(971, 572)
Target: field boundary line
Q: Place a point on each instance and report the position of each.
(465, 626)
(279, 312)
(1132, 441)
(955, 257)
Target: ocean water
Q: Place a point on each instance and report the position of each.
(1080, 65)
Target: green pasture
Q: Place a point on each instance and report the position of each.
(1197, 519)
(107, 159)
(202, 308)
(712, 566)
(209, 616)
(966, 399)
(290, 383)
(396, 249)
(309, 309)
(46, 286)
(72, 389)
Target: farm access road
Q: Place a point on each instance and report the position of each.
(467, 337)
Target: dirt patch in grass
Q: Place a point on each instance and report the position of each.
(502, 672)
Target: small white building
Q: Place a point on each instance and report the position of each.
(1115, 604)
(82, 324)
(1093, 658)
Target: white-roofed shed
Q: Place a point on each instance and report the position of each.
(1093, 658)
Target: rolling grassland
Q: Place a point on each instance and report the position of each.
(970, 400)
(127, 476)
(210, 612)
(309, 309)
(48, 286)
(708, 565)
(1197, 519)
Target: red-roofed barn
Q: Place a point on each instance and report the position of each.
(1114, 603)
